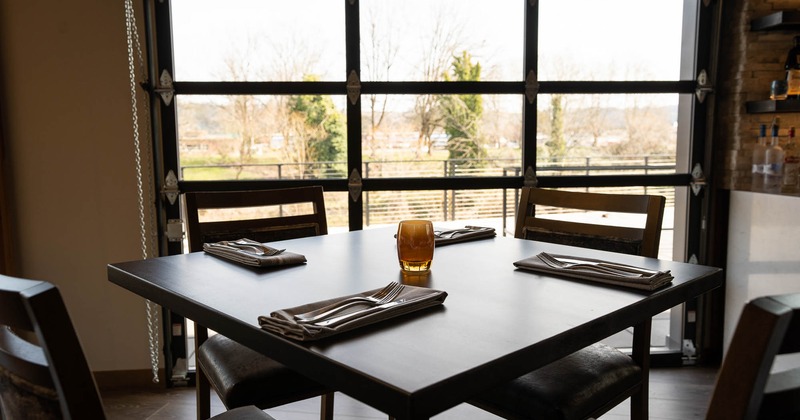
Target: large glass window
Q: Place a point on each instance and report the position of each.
(437, 109)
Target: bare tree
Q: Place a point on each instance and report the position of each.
(244, 114)
(438, 49)
(562, 126)
(380, 54)
(648, 130)
(292, 58)
(572, 120)
(595, 118)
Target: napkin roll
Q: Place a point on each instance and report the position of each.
(470, 233)
(246, 257)
(647, 282)
(283, 321)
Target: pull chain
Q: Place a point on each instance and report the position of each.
(140, 148)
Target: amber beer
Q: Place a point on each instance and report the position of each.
(415, 242)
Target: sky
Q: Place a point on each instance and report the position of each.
(580, 39)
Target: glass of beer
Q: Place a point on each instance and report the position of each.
(415, 242)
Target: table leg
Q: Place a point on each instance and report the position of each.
(202, 385)
(326, 407)
(641, 355)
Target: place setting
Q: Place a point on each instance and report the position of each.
(252, 253)
(317, 320)
(595, 270)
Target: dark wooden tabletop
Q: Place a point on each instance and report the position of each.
(497, 323)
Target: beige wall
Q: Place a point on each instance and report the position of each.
(69, 147)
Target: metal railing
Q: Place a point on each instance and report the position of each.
(384, 207)
(430, 168)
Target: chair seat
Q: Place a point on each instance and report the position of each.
(571, 388)
(243, 413)
(243, 377)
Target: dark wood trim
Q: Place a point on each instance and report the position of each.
(6, 232)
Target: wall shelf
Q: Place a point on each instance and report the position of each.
(785, 19)
(782, 20)
(769, 106)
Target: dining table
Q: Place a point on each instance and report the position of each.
(498, 322)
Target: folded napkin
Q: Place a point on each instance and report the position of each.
(285, 322)
(249, 256)
(467, 233)
(597, 270)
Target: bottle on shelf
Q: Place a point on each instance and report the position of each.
(773, 169)
(793, 70)
(791, 164)
(759, 159)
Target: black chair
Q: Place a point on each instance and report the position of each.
(746, 388)
(43, 371)
(595, 379)
(239, 375)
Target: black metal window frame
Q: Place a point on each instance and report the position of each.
(696, 54)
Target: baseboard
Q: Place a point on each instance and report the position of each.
(139, 379)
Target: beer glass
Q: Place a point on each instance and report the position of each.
(415, 242)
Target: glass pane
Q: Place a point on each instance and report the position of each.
(416, 40)
(257, 212)
(255, 40)
(435, 136)
(261, 137)
(335, 212)
(634, 40)
(455, 208)
(606, 134)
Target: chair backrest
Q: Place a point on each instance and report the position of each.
(746, 388)
(45, 374)
(271, 218)
(629, 240)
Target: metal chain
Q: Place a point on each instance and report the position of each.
(142, 148)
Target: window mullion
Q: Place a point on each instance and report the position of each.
(354, 160)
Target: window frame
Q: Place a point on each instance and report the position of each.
(693, 149)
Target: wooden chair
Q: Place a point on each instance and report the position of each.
(746, 388)
(45, 375)
(239, 375)
(261, 226)
(628, 240)
(592, 380)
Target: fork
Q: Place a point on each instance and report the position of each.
(609, 265)
(556, 263)
(257, 247)
(446, 234)
(385, 295)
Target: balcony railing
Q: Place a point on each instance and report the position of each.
(386, 207)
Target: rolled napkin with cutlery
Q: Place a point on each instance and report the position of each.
(252, 253)
(597, 270)
(467, 233)
(314, 321)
